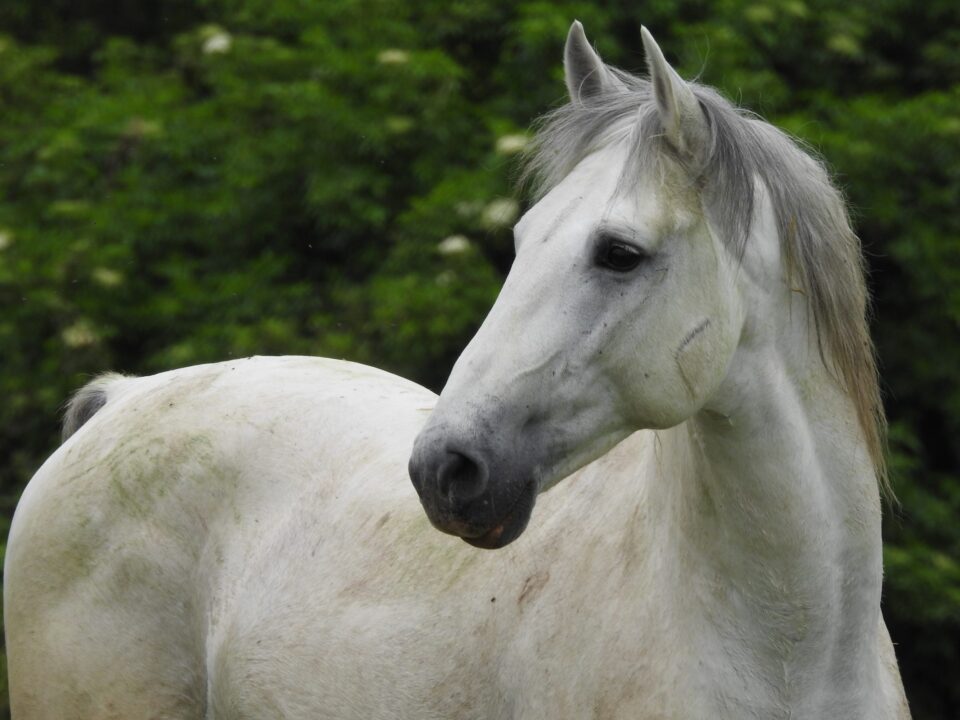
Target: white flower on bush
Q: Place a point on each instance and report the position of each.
(6, 239)
(393, 56)
(80, 334)
(500, 213)
(105, 277)
(511, 144)
(453, 245)
(218, 42)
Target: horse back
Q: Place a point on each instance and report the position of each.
(131, 538)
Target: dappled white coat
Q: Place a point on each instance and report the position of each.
(241, 540)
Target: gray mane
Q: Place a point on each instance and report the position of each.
(823, 254)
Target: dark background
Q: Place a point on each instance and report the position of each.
(189, 181)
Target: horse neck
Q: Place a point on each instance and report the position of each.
(780, 482)
(778, 460)
(770, 508)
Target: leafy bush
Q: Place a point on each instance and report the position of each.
(187, 182)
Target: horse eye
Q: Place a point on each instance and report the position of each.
(619, 255)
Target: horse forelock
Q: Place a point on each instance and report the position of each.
(823, 254)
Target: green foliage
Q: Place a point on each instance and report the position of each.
(187, 182)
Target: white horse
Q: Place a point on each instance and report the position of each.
(682, 334)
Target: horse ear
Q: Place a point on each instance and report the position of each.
(586, 75)
(684, 123)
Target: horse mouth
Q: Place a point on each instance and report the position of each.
(512, 525)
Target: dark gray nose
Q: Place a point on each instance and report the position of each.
(461, 478)
(469, 491)
(448, 479)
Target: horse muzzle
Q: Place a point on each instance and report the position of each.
(469, 492)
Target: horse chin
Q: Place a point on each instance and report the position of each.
(512, 526)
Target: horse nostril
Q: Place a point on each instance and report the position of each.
(461, 478)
